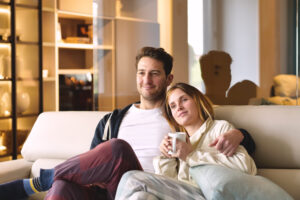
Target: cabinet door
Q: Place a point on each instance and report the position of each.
(20, 58)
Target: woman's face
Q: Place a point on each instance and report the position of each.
(183, 108)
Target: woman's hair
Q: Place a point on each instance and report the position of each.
(204, 106)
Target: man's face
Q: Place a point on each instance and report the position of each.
(151, 79)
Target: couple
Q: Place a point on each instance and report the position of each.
(140, 130)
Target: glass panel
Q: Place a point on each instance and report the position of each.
(4, 1)
(27, 2)
(5, 137)
(26, 24)
(5, 99)
(104, 8)
(4, 23)
(24, 125)
(75, 92)
(27, 61)
(237, 70)
(140, 9)
(50, 4)
(103, 81)
(5, 61)
(27, 97)
(195, 41)
(103, 59)
(103, 32)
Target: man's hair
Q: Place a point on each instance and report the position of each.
(204, 105)
(158, 54)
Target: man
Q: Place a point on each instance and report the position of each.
(141, 125)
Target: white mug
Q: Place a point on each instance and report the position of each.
(177, 135)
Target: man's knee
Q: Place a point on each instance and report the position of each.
(119, 145)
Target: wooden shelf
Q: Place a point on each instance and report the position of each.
(4, 3)
(48, 9)
(20, 115)
(19, 5)
(75, 71)
(5, 79)
(27, 43)
(73, 15)
(49, 79)
(48, 44)
(84, 46)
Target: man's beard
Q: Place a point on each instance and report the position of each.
(158, 96)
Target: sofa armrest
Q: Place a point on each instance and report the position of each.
(14, 169)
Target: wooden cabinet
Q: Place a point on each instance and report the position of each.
(89, 51)
(20, 74)
(78, 45)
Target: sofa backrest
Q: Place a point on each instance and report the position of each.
(275, 130)
(61, 135)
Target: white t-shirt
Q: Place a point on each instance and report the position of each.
(144, 130)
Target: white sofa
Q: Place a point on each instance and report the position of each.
(57, 136)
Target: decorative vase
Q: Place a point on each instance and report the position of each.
(23, 102)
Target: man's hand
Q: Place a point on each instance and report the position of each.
(228, 142)
(183, 149)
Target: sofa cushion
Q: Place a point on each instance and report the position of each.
(219, 182)
(60, 135)
(14, 169)
(288, 179)
(275, 130)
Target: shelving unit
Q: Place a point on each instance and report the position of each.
(20, 75)
(51, 69)
(105, 61)
(72, 57)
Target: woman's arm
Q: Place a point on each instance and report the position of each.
(240, 160)
(166, 166)
(204, 154)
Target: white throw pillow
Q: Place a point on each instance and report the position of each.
(61, 135)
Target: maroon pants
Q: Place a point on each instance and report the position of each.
(80, 177)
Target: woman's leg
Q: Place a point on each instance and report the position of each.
(138, 185)
(104, 165)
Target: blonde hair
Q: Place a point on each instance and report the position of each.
(204, 105)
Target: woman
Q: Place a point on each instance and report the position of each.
(187, 110)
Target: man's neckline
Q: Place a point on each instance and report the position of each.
(137, 106)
